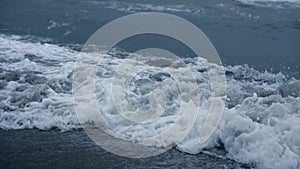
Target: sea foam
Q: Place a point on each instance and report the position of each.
(260, 124)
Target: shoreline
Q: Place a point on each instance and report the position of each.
(31, 148)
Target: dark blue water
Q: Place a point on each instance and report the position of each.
(264, 35)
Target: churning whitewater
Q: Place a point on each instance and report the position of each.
(260, 124)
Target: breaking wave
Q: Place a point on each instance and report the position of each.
(260, 124)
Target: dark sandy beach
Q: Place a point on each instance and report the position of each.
(55, 149)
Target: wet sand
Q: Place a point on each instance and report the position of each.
(55, 149)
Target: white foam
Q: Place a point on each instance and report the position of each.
(140, 7)
(260, 124)
(262, 127)
(272, 3)
(35, 98)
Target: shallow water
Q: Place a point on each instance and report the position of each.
(54, 149)
(260, 124)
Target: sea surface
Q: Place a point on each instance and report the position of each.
(258, 42)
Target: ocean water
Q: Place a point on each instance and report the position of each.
(258, 42)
